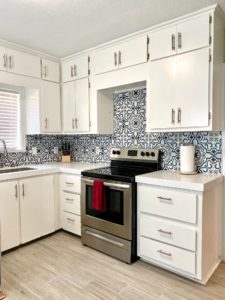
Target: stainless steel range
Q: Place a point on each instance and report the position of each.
(114, 229)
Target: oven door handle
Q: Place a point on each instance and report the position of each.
(109, 184)
(98, 236)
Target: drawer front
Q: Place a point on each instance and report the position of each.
(169, 255)
(71, 183)
(71, 203)
(168, 232)
(179, 205)
(71, 223)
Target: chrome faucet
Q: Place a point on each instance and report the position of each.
(5, 154)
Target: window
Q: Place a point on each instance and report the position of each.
(10, 119)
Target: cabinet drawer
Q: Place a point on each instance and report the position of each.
(167, 232)
(71, 203)
(169, 255)
(71, 223)
(179, 205)
(71, 183)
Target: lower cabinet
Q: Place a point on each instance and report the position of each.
(9, 215)
(37, 207)
(26, 210)
(70, 203)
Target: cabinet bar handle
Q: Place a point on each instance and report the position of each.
(120, 58)
(173, 41)
(10, 62)
(164, 231)
(16, 191)
(164, 198)
(115, 58)
(172, 116)
(23, 190)
(73, 125)
(179, 40)
(179, 115)
(76, 120)
(46, 123)
(69, 199)
(5, 61)
(75, 70)
(164, 253)
(70, 183)
(71, 220)
(71, 71)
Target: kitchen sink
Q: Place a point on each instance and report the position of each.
(2, 171)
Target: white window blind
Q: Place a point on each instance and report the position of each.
(10, 119)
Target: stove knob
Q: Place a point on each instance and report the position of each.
(118, 152)
(142, 153)
(152, 154)
(114, 152)
(147, 153)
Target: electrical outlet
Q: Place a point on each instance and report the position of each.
(56, 150)
(34, 150)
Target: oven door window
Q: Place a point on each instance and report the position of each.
(114, 205)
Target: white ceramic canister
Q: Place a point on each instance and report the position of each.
(187, 159)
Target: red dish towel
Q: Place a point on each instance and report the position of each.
(98, 196)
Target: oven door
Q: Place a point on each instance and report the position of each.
(116, 220)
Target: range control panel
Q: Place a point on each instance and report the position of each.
(135, 154)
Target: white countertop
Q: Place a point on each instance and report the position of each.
(51, 168)
(174, 179)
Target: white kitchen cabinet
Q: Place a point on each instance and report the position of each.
(37, 207)
(50, 70)
(9, 215)
(179, 222)
(75, 103)
(185, 35)
(75, 68)
(23, 63)
(183, 102)
(126, 54)
(51, 107)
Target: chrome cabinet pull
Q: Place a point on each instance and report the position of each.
(179, 40)
(164, 231)
(73, 123)
(98, 236)
(164, 253)
(172, 116)
(69, 183)
(76, 120)
(164, 198)
(120, 58)
(179, 115)
(16, 191)
(71, 220)
(71, 71)
(115, 58)
(75, 70)
(173, 41)
(46, 123)
(69, 199)
(10, 62)
(23, 190)
(5, 61)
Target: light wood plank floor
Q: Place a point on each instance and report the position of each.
(59, 267)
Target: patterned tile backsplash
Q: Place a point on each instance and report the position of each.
(129, 131)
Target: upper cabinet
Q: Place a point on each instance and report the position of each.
(50, 70)
(186, 36)
(126, 54)
(20, 63)
(75, 68)
(186, 74)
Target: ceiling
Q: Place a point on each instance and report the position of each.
(63, 27)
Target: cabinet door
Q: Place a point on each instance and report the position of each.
(75, 68)
(162, 43)
(105, 60)
(37, 207)
(3, 59)
(50, 70)
(161, 94)
(23, 63)
(133, 52)
(193, 34)
(192, 88)
(68, 106)
(51, 112)
(9, 215)
(82, 105)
